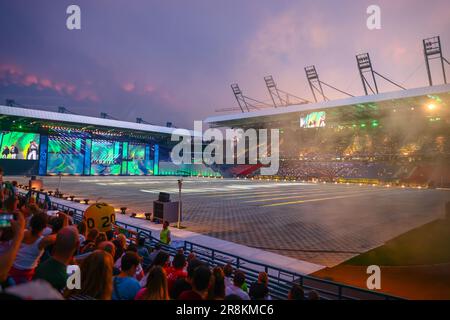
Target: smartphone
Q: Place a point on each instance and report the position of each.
(5, 220)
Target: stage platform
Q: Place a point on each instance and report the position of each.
(314, 225)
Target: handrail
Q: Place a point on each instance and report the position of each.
(218, 257)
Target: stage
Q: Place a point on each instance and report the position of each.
(324, 224)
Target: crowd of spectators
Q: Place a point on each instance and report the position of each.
(39, 245)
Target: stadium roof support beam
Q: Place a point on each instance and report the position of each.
(244, 102)
(432, 49)
(282, 97)
(365, 66)
(104, 115)
(273, 91)
(316, 84)
(240, 98)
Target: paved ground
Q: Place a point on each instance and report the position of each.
(320, 223)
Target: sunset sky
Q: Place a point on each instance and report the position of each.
(175, 60)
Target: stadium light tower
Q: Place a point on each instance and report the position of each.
(244, 102)
(314, 82)
(240, 98)
(364, 67)
(280, 97)
(432, 49)
(273, 91)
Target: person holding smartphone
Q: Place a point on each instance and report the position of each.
(12, 243)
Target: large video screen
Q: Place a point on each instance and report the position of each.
(313, 120)
(19, 145)
(137, 165)
(65, 155)
(105, 157)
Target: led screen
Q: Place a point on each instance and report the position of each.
(105, 157)
(65, 155)
(313, 120)
(19, 145)
(137, 165)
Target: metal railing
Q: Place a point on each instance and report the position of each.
(280, 280)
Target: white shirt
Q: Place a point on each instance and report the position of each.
(237, 291)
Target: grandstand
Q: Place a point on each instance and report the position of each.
(400, 136)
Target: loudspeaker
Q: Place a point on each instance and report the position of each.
(164, 197)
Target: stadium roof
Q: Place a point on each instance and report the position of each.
(412, 97)
(67, 118)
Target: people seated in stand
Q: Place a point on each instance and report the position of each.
(125, 285)
(184, 284)
(156, 287)
(31, 249)
(176, 271)
(259, 290)
(96, 278)
(217, 287)
(296, 293)
(89, 243)
(54, 269)
(13, 241)
(200, 283)
(143, 252)
(236, 288)
(228, 272)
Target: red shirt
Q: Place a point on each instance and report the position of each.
(190, 295)
(173, 275)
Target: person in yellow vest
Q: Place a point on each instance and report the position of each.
(164, 236)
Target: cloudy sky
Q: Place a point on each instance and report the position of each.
(174, 60)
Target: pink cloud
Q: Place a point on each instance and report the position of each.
(128, 87)
(149, 88)
(31, 79)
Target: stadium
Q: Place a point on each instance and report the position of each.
(363, 181)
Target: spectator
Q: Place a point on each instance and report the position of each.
(260, 289)
(109, 247)
(161, 260)
(31, 249)
(143, 252)
(156, 287)
(217, 288)
(176, 271)
(184, 284)
(228, 272)
(96, 278)
(7, 256)
(154, 253)
(53, 270)
(125, 285)
(82, 231)
(100, 238)
(119, 250)
(313, 295)
(89, 244)
(200, 284)
(236, 288)
(296, 293)
(165, 235)
(191, 256)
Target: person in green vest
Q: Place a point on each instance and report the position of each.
(164, 236)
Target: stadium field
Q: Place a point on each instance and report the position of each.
(320, 223)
